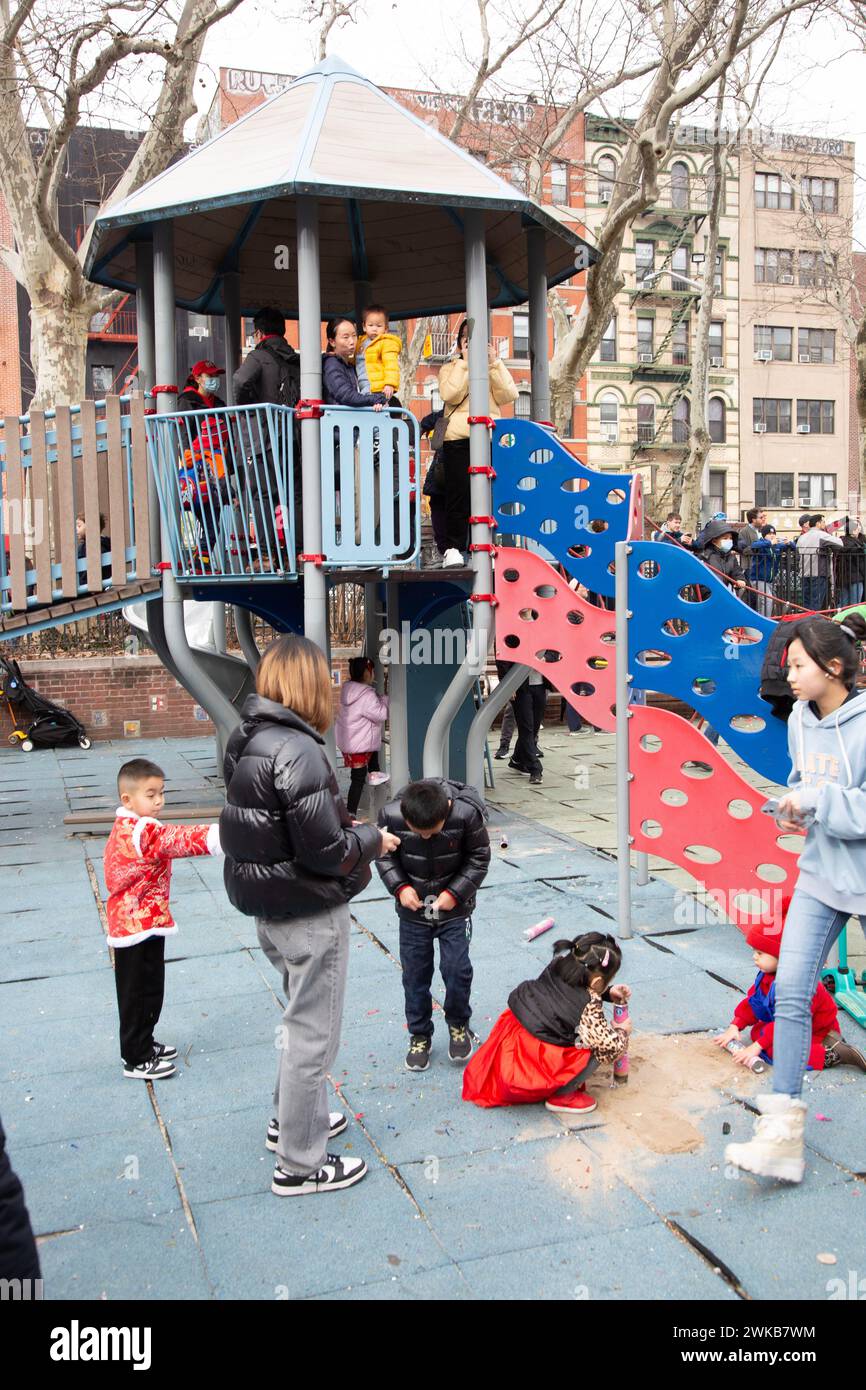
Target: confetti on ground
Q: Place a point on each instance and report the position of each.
(820, 1116)
(825, 1258)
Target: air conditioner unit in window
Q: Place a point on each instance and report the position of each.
(805, 357)
(608, 437)
(760, 429)
(763, 357)
(786, 279)
(717, 361)
(803, 429)
(787, 501)
(645, 357)
(604, 195)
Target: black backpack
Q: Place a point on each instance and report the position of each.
(289, 389)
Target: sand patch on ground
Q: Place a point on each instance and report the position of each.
(675, 1080)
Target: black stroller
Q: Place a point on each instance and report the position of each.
(43, 724)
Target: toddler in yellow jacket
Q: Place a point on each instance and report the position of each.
(377, 357)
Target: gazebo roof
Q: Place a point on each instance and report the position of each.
(391, 193)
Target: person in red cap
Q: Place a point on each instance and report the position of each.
(202, 384)
(205, 453)
(758, 1011)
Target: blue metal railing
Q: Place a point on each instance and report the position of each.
(371, 494)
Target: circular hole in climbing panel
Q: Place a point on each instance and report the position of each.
(651, 657)
(697, 769)
(648, 569)
(511, 576)
(772, 873)
(695, 593)
(545, 591)
(573, 616)
(748, 723)
(583, 688)
(651, 828)
(791, 844)
(548, 656)
(702, 685)
(541, 456)
(742, 636)
(527, 484)
(575, 485)
(548, 526)
(672, 796)
(739, 809)
(751, 904)
(579, 552)
(650, 743)
(529, 615)
(675, 627)
(615, 495)
(702, 854)
(611, 569)
(512, 508)
(597, 663)
(598, 526)
(507, 441)
(607, 637)
(511, 641)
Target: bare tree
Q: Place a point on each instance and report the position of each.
(61, 66)
(328, 14)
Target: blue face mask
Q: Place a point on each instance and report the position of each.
(726, 544)
(211, 384)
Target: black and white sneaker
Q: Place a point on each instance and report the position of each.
(418, 1056)
(338, 1122)
(336, 1172)
(459, 1043)
(156, 1069)
(164, 1050)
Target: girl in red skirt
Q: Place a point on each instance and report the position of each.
(554, 1033)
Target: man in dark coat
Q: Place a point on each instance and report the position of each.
(269, 375)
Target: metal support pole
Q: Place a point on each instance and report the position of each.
(480, 725)
(623, 851)
(246, 637)
(147, 367)
(310, 334)
(481, 502)
(232, 305)
(199, 685)
(372, 630)
(398, 716)
(538, 349)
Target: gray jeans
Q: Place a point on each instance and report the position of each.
(311, 954)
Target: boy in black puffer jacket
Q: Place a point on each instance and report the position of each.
(442, 860)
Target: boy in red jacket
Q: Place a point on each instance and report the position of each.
(138, 878)
(758, 1011)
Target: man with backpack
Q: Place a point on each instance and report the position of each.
(270, 374)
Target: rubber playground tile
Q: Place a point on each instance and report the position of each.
(201, 938)
(53, 1046)
(676, 1004)
(42, 925)
(648, 1262)
(720, 949)
(72, 1105)
(213, 1083)
(43, 856)
(26, 1001)
(263, 1246)
(221, 1024)
(840, 1097)
(98, 1262)
(539, 1192)
(124, 1176)
(187, 980)
(66, 893)
(446, 1284)
(62, 956)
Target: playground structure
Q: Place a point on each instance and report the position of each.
(427, 231)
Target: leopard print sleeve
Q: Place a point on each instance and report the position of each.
(594, 1032)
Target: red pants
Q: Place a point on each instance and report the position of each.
(514, 1068)
(763, 1033)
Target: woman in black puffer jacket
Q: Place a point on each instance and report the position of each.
(294, 858)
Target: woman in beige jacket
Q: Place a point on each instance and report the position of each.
(454, 390)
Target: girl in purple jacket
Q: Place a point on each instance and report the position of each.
(358, 728)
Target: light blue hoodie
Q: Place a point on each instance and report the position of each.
(828, 758)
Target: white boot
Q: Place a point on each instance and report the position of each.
(776, 1151)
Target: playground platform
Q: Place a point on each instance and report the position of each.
(166, 1194)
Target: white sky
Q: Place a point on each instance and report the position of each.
(816, 89)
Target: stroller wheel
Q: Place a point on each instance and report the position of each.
(14, 738)
(84, 742)
(26, 745)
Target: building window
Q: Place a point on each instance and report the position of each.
(523, 406)
(679, 266)
(101, 380)
(773, 266)
(517, 175)
(719, 273)
(680, 344)
(679, 185)
(90, 211)
(771, 191)
(774, 489)
(819, 416)
(819, 195)
(520, 335)
(774, 415)
(816, 490)
(681, 421)
(606, 178)
(644, 259)
(816, 267)
(716, 496)
(717, 341)
(646, 420)
(778, 342)
(558, 183)
(816, 344)
(717, 422)
(433, 395)
(645, 338)
(609, 418)
(607, 347)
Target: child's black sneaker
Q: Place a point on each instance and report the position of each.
(337, 1122)
(336, 1173)
(155, 1069)
(459, 1042)
(418, 1056)
(164, 1050)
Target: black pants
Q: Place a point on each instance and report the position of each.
(139, 977)
(18, 1257)
(455, 465)
(529, 705)
(357, 778)
(455, 967)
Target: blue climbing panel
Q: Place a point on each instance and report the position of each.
(690, 636)
(541, 491)
(370, 462)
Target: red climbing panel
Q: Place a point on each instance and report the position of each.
(709, 823)
(542, 623)
(635, 520)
